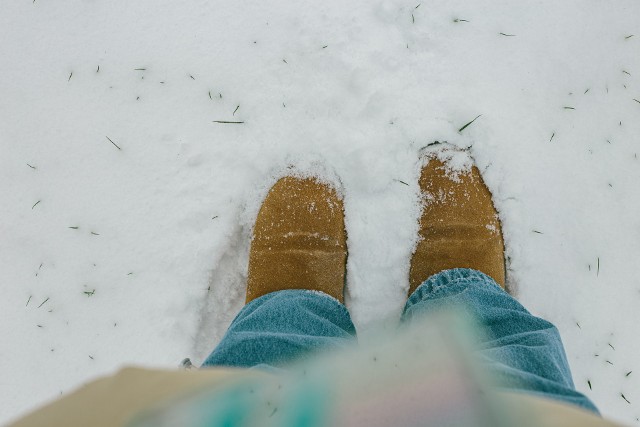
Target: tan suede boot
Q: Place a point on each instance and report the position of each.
(459, 227)
(299, 240)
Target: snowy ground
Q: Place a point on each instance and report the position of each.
(137, 253)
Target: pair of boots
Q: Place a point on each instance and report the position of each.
(299, 238)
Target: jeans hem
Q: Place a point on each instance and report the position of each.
(444, 279)
(314, 292)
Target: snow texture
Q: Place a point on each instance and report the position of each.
(127, 206)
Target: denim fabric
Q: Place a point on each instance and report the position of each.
(281, 326)
(522, 352)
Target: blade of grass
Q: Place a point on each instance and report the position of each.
(467, 125)
(114, 144)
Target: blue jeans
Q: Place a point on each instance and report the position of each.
(523, 352)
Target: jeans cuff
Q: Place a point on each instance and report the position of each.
(445, 279)
(287, 293)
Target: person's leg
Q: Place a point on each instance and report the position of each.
(522, 352)
(283, 326)
(459, 261)
(295, 280)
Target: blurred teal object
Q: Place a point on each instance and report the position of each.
(422, 374)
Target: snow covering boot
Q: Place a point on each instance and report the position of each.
(299, 240)
(459, 227)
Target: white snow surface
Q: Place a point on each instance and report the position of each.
(138, 255)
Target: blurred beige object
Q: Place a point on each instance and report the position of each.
(114, 401)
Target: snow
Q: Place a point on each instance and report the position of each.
(138, 254)
(456, 160)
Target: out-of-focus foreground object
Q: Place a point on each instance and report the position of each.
(422, 375)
